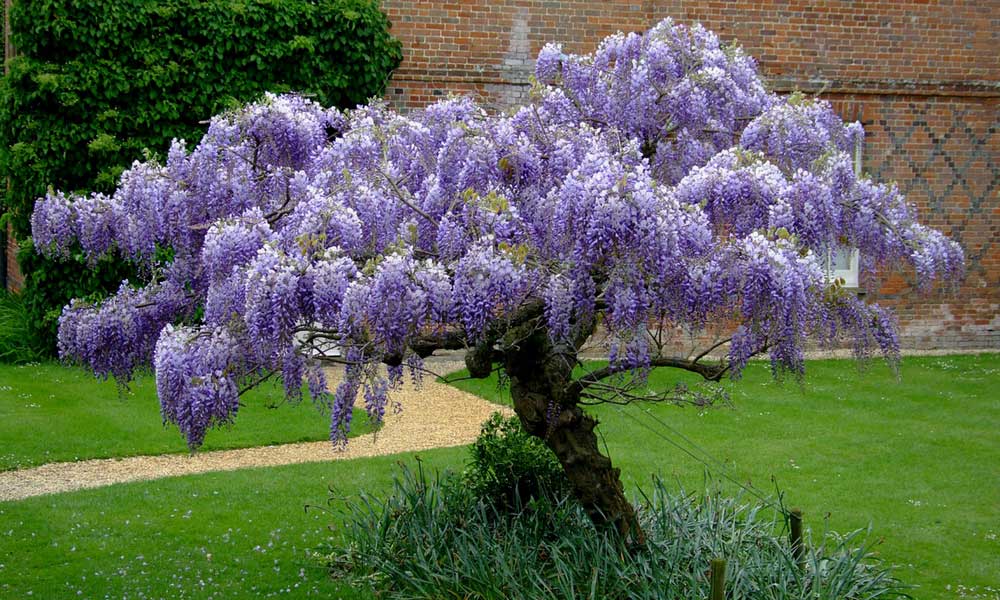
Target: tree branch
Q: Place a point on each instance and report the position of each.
(250, 385)
(679, 395)
(285, 207)
(712, 347)
(449, 339)
(708, 372)
(402, 198)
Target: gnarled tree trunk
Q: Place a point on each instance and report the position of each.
(548, 408)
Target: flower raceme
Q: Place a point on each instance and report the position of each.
(655, 181)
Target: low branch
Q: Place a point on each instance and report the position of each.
(708, 372)
(712, 347)
(679, 395)
(482, 353)
(449, 339)
(335, 360)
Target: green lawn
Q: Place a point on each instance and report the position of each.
(238, 534)
(53, 413)
(917, 458)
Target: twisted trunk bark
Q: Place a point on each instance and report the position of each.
(548, 408)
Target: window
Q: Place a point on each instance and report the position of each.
(843, 264)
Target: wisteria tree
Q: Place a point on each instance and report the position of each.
(652, 189)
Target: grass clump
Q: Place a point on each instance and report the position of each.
(435, 535)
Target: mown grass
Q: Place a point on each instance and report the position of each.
(238, 534)
(918, 458)
(53, 413)
(915, 458)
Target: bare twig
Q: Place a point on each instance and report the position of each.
(404, 200)
(712, 347)
(255, 383)
(708, 372)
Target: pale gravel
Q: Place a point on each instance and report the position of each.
(434, 415)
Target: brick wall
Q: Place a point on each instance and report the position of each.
(488, 46)
(15, 280)
(878, 45)
(11, 274)
(944, 152)
(923, 76)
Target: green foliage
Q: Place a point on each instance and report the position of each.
(419, 542)
(49, 285)
(509, 468)
(17, 345)
(98, 82)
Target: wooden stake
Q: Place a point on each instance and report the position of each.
(718, 579)
(795, 538)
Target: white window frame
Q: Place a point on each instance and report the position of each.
(850, 274)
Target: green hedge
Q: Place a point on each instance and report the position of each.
(99, 82)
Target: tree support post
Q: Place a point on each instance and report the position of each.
(795, 538)
(718, 579)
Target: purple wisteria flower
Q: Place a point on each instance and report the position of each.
(654, 184)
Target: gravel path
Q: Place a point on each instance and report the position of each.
(434, 416)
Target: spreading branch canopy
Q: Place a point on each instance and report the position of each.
(655, 183)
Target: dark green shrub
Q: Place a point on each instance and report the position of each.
(510, 468)
(17, 345)
(424, 540)
(97, 82)
(50, 284)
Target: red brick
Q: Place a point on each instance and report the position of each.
(913, 71)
